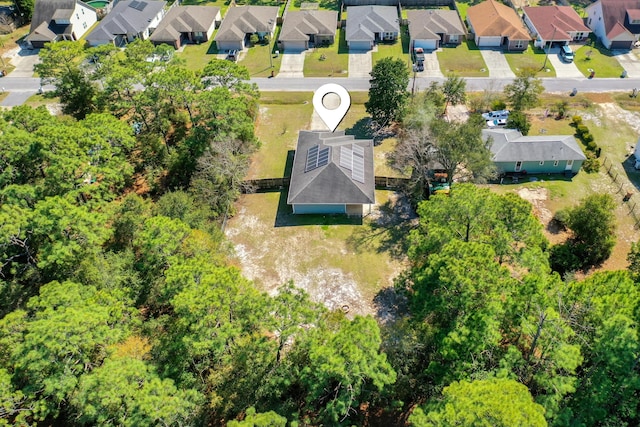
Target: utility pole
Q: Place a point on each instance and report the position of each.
(549, 48)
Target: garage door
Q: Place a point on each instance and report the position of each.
(426, 44)
(229, 45)
(621, 45)
(360, 45)
(489, 41)
(294, 46)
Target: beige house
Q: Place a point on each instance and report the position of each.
(304, 29)
(55, 20)
(187, 24)
(241, 22)
(431, 28)
(494, 24)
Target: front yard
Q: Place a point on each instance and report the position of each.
(328, 61)
(196, 56)
(531, 58)
(593, 56)
(397, 50)
(464, 60)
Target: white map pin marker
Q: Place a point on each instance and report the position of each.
(331, 117)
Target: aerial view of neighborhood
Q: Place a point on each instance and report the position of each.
(290, 213)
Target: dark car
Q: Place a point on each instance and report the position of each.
(232, 55)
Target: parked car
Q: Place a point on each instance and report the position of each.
(566, 53)
(493, 115)
(496, 123)
(232, 55)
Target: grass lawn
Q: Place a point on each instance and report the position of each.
(196, 56)
(531, 58)
(462, 9)
(594, 56)
(335, 62)
(38, 100)
(398, 50)
(315, 5)
(222, 4)
(257, 60)
(464, 60)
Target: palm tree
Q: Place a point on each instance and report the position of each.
(454, 91)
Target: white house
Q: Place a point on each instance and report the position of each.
(615, 22)
(55, 20)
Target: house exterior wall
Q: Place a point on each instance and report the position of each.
(534, 167)
(321, 209)
(595, 22)
(452, 38)
(230, 45)
(517, 45)
(82, 19)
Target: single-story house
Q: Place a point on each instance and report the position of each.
(431, 28)
(128, 20)
(332, 174)
(187, 24)
(241, 22)
(494, 24)
(539, 154)
(301, 29)
(55, 20)
(367, 25)
(554, 24)
(615, 22)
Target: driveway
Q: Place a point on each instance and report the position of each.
(431, 65)
(360, 63)
(292, 64)
(23, 60)
(497, 63)
(629, 61)
(564, 70)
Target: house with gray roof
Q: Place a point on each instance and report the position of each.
(55, 20)
(431, 28)
(539, 154)
(308, 28)
(128, 20)
(332, 174)
(186, 24)
(241, 22)
(367, 25)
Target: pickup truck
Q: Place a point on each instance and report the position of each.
(418, 58)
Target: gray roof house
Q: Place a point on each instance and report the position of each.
(242, 21)
(127, 21)
(431, 28)
(367, 25)
(186, 24)
(539, 154)
(301, 29)
(55, 20)
(332, 174)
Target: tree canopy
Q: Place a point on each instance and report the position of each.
(388, 93)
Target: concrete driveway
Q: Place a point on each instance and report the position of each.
(292, 64)
(565, 70)
(360, 63)
(431, 65)
(496, 63)
(23, 60)
(629, 61)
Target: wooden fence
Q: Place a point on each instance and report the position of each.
(278, 184)
(625, 189)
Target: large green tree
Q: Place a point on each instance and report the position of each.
(388, 92)
(524, 91)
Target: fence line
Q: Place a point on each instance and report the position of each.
(629, 197)
(278, 184)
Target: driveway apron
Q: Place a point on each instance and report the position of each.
(567, 70)
(23, 60)
(360, 63)
(497, 63)
(629, 61)
(431, 65)
(292, 64)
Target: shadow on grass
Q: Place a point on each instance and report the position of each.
(361, 129)
(471, 44)
(342, 46)
(213, 48)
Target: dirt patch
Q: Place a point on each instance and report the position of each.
(457, 113)
(538, 197)
(631, 118)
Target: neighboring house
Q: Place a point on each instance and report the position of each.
(186, 24)
(55, 20)
(128, 20)
(367, 25)
(513, 152)
(494, 24)
(615, 22)
(241, 22)
(302, 29)
(431, 28)
(332, 174)
(554, 24)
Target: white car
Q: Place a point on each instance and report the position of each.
(496, 123)
(492, 115)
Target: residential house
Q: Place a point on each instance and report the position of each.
(55, 20)
(615, 22)
(494, 24)
(540, 154)
(332, 174)
(431, 28)
(187, 24)
(128, 20)
(303, 29)
(241, 22)
(367, 25)
(554, 24)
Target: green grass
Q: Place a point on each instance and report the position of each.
(38, 100)
(464, 60)
(322, 5)
(335, 62)
(462, 10)
(222, 4)
(398, 50)
(196, 56)
(532, 58)
(594, 56)
(257, 60)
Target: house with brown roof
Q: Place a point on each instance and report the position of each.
(494, 24)
(241, 22)
(554, 24)
(368, 25)
(186, 24)
(129, 20)
(615, 22)
(431, 28)
(308, 28)
(55, 20)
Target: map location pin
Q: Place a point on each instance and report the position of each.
(331, 117)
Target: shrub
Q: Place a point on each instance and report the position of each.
(591, 144)
(576, 120)
(581, 130)
(592, 164)
(498, 104)
(561, 217)
(563, 259)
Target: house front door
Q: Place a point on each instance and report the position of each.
(518, 166)
(569, 165)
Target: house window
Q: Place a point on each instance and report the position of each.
(541, 162)
(518, 166)
(519, 44)
(555, 163)
(77, 16)
(569, 163)
(84, 25)
(82, 11)
(589, 21)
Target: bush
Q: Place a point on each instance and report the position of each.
(563, 259)
(587, 139)
(581, 130)
(592, 164)
(561, 217)
(576, 120)
(498, 104)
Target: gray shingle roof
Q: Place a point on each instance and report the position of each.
(126, 17)
(43, 26)
(242, 20)
(509, 145)
(364, 21)
(185, 19)
(332, 183)
(428, 24)
(298, 25)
